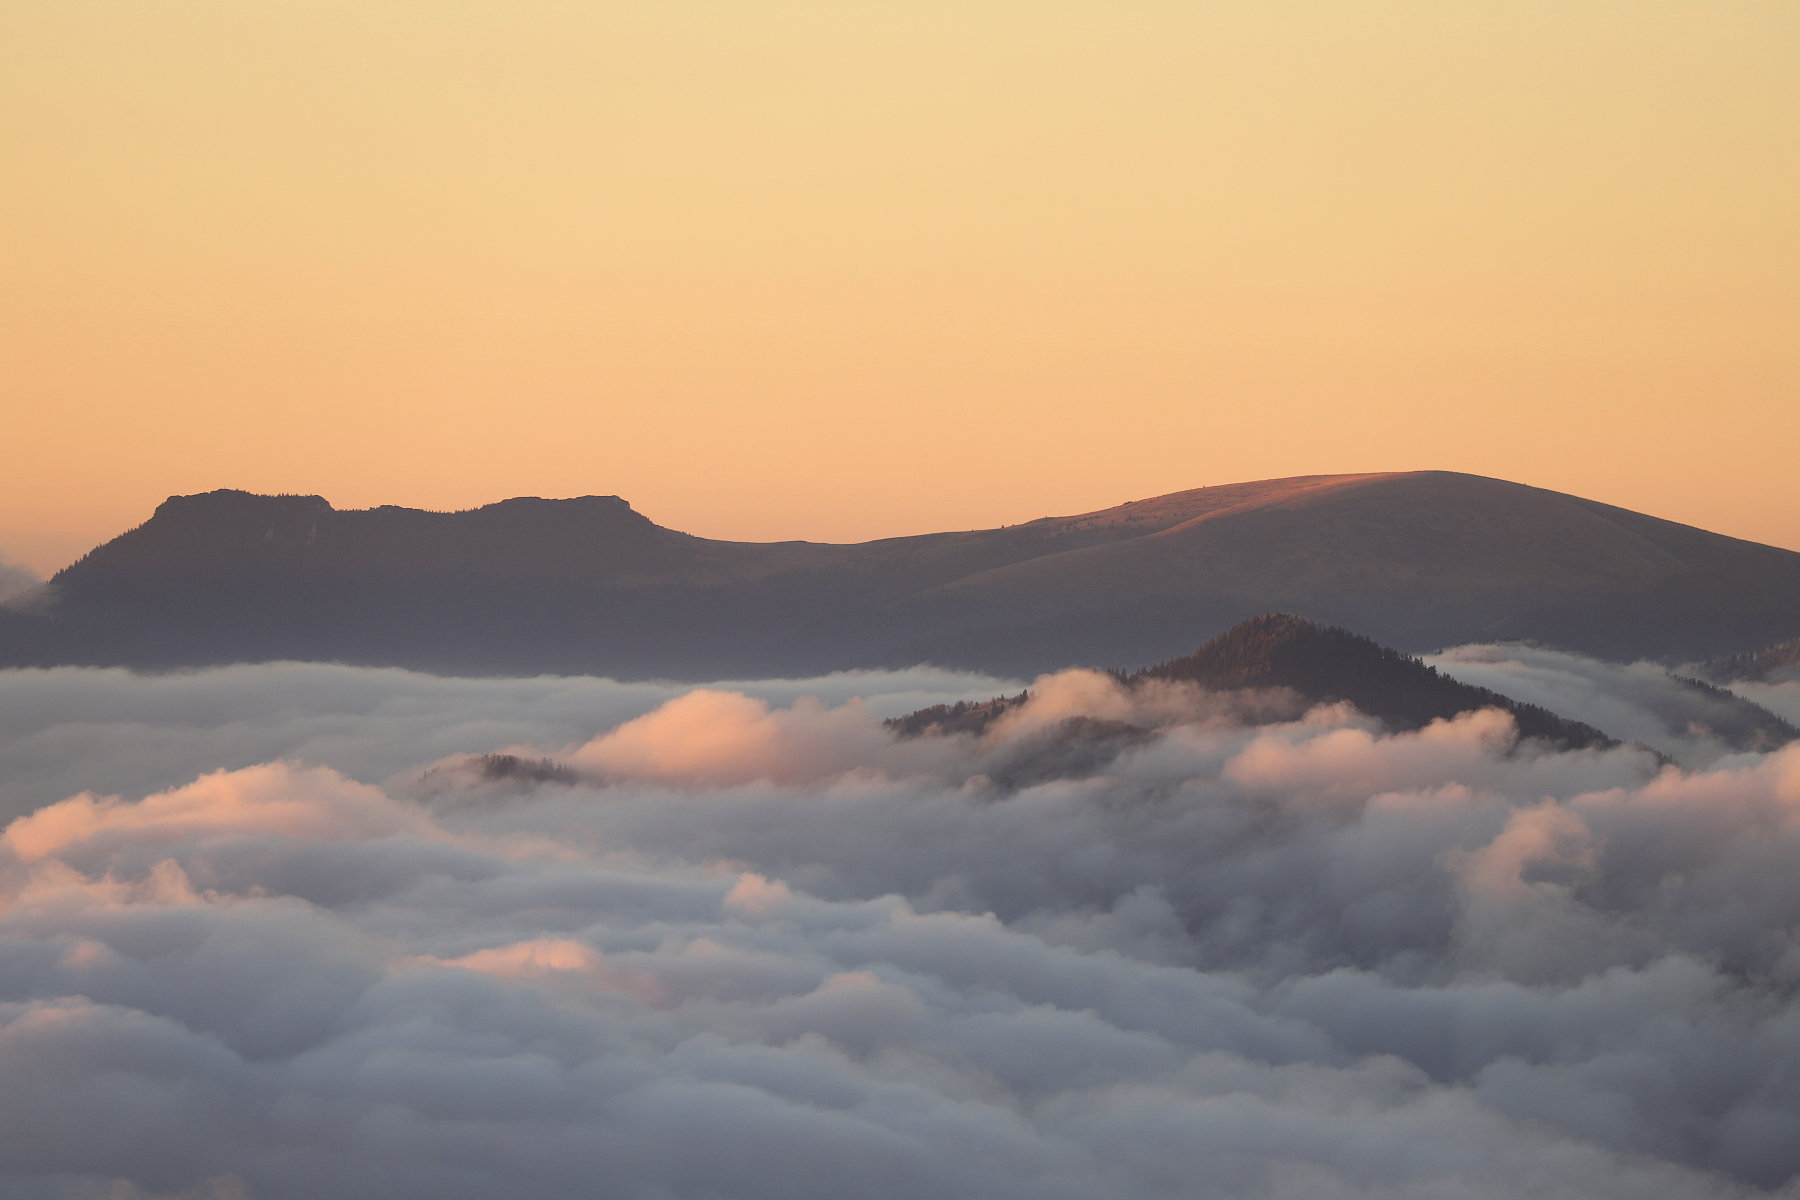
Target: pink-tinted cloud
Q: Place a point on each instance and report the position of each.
(768, 950)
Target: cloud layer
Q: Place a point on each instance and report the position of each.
(66, 729)
(767, 950)
(1693, 723)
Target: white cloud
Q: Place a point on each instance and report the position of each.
(1782, 699)
(68, 729)
(765, 950)
(1638, 702)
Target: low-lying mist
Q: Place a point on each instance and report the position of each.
(284, 932)
(1692, 722)
(70, 729)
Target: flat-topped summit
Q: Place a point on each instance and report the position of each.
(1416, 559)
(230, 534)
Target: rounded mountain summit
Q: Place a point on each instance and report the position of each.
(1415, 559)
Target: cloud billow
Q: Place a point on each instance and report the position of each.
(775, 951)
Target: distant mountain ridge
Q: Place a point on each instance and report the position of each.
(588, 585)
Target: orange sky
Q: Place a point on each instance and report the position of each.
(844, 269)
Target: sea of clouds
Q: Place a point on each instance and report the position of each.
(271, 932)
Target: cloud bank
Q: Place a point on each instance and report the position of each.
(66, 729)
(765, 950)
(1641, 702)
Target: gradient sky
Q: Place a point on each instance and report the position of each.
(850, 269)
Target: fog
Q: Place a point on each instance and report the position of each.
(68, 729)
(1639, 702)
(16, 579)
(278, 935)
(1781, 698)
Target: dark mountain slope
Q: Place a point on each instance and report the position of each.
(1328, 664)
(1275, 651)
(523, 585)
(230, 576)
(528, 585)
(1420, 560)
(1736, 722)
(961, 717)
(1777, 664)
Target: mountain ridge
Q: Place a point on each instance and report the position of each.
(1327, 664)
(1773, 664)
(1278, 665)
(1275, 656)
(589, 585)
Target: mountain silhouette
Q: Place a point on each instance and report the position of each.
(528, 585)
(1318, 664)
(1326, 664)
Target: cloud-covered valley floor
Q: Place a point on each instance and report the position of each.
(270, 932)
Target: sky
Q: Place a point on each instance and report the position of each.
(843, 270)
